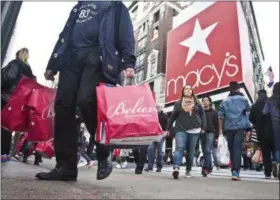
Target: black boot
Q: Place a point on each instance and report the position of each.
(58, 174)
(105, 167)
(139, 169)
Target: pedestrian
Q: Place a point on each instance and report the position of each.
(233, 121)
(263, 126)
(96, 45)
(10, 77)
(121, 158)
(210, 135)
(272, 108)
(190, 122)
(247, 152)
(163, 120)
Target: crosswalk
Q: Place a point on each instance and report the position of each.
(248, 175)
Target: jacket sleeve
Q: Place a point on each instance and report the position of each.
(203, 117)
(252, 115)
(165, 121)
(216, 124)
(221, 112)
(9, 75)
(126, 41)
(173, 117)
(266, 109)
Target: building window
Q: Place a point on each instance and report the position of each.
(140, 60)
(141, 44)
(175, 13)
(156, 17)
(134, 13)
(143, 29)
(155, 33)
(139, 76)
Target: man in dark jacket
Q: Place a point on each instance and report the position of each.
(96, 45)
(210, 135)
(263, 127)
(163, 120)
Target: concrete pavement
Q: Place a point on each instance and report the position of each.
(18, 182)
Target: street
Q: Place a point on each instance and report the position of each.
(18, 182)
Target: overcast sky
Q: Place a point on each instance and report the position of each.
(267, 16)
(38, 29)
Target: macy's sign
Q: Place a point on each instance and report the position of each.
(203, 77)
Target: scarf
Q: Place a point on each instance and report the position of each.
(188, 104)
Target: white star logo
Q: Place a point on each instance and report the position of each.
(197, 42)
(9, 108)
(32, 124)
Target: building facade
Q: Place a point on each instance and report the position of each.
(152, 21)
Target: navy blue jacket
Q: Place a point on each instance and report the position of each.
(116, 49)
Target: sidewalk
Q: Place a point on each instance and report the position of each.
(18, 182)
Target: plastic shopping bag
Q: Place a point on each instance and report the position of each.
(14, 114)
(41, 114)
(127, 116)
(257, 157)
(223, 155)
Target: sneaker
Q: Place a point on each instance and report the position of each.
(235, 176)
(148, 169)
(90, 163)
(205, 172)
(123, 164)
(3, 158)
(175, 173)
(275, 169)
(188, 174)
(118, 166)
(82, 163)
(158, 170)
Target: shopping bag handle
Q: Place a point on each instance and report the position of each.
(52, 84)
(129, 81)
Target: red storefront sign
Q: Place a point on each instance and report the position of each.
(204, 52)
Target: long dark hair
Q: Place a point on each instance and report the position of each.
(193, 94)
(276, 95)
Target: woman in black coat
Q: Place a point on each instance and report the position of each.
(10, 77)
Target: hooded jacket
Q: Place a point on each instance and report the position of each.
(116, 41)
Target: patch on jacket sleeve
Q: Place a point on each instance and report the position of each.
(110, 67)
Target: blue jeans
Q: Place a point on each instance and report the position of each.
(276, 138)
(185, 141)
(207, 141)
(160, 154)
(235, 140)
(214, 153)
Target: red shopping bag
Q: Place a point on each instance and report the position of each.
(46, 149)
(127, 116)
(116, 152)
(41, 114)
(14, 114)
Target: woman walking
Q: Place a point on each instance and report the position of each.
(10, 76)
(190, 122)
